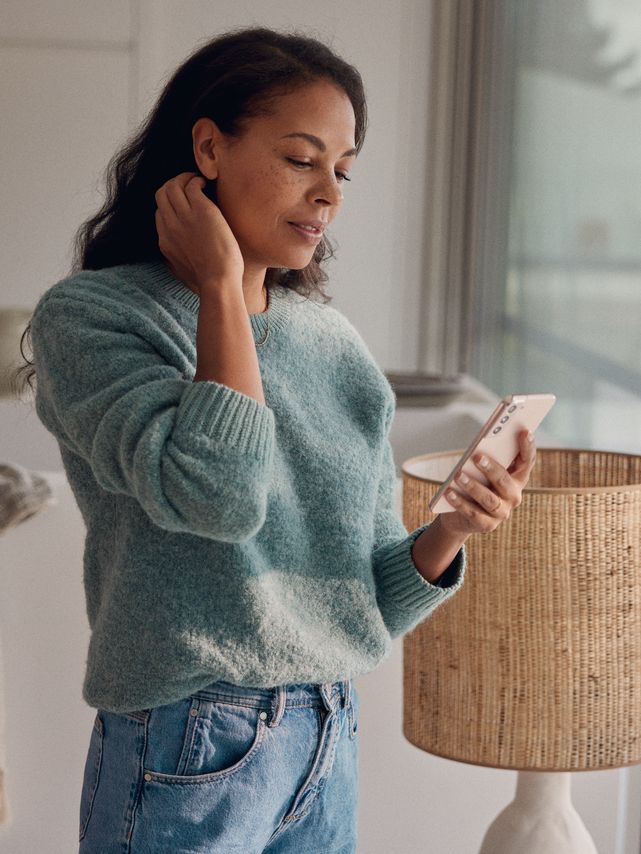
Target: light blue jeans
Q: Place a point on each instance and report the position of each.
(228, 770)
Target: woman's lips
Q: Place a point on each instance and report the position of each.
(309, 233)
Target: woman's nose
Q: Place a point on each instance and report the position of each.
(328, 192)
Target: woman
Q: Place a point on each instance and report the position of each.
(226, 438)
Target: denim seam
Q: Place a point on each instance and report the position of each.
(138, 784)
(140, 716)
(306, 788)
(214, 776)
(189, 738)
(99, 728)
(263, 704)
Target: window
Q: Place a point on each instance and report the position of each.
(552, 243)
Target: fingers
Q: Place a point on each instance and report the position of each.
(176, 197)
(483, 508)
(526, 459)
(486, 498)
(179, 192)
(476, 518)
(193, 191)
(173, 208)
(505, 486)
(501, 481)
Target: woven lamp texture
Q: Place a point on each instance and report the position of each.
(535, 663)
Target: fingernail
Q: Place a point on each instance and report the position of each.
(530, 437)
(484, 462)
(463, 478)
(452, 496)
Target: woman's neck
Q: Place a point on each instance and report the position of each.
(254, 289)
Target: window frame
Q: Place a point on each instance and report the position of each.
(467, 202)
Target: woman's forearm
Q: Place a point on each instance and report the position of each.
(226, 352)
(434, 550)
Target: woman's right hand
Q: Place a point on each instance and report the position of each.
(194, 236)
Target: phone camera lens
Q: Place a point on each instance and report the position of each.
(497, 430)
(512, 408)
(505, 418)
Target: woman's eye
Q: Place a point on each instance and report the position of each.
(340, 175)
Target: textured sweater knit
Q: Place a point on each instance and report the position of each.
(225, 539)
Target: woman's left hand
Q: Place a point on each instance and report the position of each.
(481, 509)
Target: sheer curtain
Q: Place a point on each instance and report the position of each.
(563, 311)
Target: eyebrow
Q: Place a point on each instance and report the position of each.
(315, 140)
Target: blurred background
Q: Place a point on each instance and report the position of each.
(568, 307)
(490, 242)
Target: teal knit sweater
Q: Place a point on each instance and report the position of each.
(224, 539)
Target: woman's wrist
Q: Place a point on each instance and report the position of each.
(225, 348)
(434, 550)
(220, 288)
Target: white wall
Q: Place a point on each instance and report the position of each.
(76, 76)
(65, 101)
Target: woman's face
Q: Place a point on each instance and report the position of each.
(280, 183)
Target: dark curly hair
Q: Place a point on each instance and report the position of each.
(228, 79)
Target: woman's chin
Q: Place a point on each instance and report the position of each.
(293, 262)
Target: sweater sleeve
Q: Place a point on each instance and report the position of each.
(404, 597)
(197, 457)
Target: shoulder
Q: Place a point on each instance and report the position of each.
(105, 287)
(120, 298)
(124, 282)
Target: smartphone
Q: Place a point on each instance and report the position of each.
(498, 439)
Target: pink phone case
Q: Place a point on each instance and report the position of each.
(498, 439)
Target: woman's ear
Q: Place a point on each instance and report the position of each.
(206, 140)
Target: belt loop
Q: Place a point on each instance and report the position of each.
(278, 701)
(347, 702)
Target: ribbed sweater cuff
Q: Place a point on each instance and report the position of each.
(400, 581)
(227, 416)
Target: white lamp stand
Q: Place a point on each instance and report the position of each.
(540, 819)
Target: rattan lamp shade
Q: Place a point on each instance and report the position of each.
(536, 662)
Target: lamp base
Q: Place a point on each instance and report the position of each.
(540, 819)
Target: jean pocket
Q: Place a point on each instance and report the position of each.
(91, 776)
(212, 741)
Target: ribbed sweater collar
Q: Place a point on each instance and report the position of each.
(278, 305)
